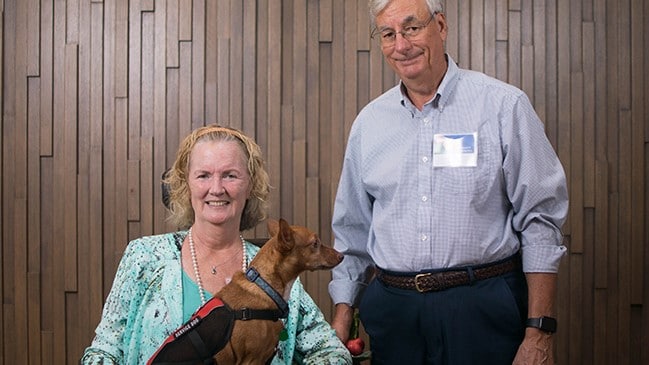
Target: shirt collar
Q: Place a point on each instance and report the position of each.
(444, 90)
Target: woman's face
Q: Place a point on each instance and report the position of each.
(219, 182)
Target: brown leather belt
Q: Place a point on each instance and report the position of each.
(441, 280)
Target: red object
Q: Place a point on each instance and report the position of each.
(211, 325)
(355, 346)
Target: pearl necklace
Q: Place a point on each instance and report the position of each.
(199, 282)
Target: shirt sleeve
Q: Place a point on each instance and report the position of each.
(536, 187)
(351, 224)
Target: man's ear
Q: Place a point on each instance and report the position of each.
(442, 26)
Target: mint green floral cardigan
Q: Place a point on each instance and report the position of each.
(145, 305)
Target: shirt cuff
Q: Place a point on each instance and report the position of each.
(345, 291)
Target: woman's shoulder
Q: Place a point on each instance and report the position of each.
(165, 245)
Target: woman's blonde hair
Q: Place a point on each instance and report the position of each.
(180, 206)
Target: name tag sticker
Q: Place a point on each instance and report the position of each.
(455, 150)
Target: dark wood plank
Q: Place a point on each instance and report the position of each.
(589, 108)
(638, 161)
(600, 243)
(576, 159)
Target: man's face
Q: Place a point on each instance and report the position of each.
(420, 57)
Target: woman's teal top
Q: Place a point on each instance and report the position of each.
(145, 305)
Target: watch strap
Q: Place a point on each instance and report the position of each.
(546, 324)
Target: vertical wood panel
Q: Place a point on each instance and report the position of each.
(477, 36)
(637, 44)
(514, 48)
(271, 92)
(539, 36)
(171, 32)
(106, 177)
(551, 68)
(69, 165)
(33, 244)
(3, 222)
(45, 73)
(563, 129)
(290, 129)
(589, 107)
(490, 32)
(185, 20)
(199, 57)
(96, 96)
(249, 24)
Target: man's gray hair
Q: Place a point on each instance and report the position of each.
(376, 6)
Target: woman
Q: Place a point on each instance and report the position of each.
(218, 187)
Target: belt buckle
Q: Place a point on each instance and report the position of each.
(420, 276)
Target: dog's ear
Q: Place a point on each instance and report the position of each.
(285, 236)
(273, 227)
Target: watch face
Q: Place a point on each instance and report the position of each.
(548, 324)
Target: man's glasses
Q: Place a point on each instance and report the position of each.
(387, 36)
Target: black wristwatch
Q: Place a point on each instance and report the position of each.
(546, 324)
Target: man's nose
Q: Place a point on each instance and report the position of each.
(401, 42)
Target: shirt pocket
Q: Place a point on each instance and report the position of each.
(468, 181)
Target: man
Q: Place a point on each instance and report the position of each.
(448, 210)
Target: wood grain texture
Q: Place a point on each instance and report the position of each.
(96, 96)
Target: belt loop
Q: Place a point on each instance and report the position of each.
(469, 271)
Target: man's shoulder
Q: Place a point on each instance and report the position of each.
(480, 80)
(389, 99)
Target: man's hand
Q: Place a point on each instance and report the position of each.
(342, 321)
(536, 349)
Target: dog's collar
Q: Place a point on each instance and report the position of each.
(253, 276)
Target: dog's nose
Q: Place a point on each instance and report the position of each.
(339, 256)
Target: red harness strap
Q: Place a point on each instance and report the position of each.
(206, 333)
(196, 341)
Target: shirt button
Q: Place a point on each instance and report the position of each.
(424, 198)
(424, 237)
(425, 120)
(425, 158)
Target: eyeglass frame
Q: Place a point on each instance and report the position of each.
(420, 27)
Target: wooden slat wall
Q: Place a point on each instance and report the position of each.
(96, 96)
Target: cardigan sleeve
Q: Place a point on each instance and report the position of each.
(314, 341)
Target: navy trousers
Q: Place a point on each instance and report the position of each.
(478, 324)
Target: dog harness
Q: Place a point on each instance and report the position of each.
(210, 328)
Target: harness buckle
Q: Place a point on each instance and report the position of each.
(246, 314)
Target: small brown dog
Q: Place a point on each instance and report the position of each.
(290, 251)
(240, 324)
